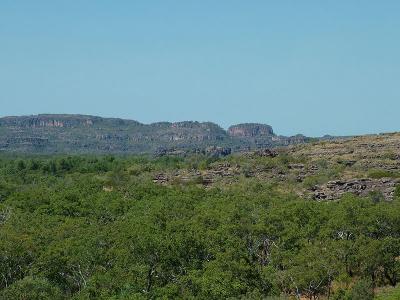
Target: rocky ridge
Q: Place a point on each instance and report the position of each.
(250, 130)
(49, 133)
(367, 166)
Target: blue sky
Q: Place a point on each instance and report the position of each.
(312, 67)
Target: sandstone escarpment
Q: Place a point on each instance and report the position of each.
(47, 121)
(90, 134)
(250, 130)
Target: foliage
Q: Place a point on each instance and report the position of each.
(383, 174)
(362, 290)
(97, 227)
(389, 293)
(30, 288)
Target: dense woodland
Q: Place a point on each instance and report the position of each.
(98, 227)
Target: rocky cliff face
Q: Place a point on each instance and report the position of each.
(54, 120)
(91, 134)
(250, 130)
(47, 121)
(259, 136)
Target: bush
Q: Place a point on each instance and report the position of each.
(390, 155)
(315, 180)
(31, 288)
(362, 290)
(389, 293)
(377, 174)
(376, 196)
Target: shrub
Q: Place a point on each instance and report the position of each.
(377, 174)
(362, 290)
(31, 288)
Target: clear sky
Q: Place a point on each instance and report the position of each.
(312, 67)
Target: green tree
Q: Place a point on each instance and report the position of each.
(32, 288)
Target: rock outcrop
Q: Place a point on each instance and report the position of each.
(90, 134)
(361, 187)
(48, 121)
(265, 153)
(250, 130)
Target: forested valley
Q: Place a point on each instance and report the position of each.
(103, 227)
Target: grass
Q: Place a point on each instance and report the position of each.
(377, 174)
(388, 293)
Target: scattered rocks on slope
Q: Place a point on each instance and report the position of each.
(265, 153)
(362, 187)
(206, 177)
(296, 166)
(160, 178)
(162, 151)
(215, 151)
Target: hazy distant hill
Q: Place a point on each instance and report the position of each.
(91, 134)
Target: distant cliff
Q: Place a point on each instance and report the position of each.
(250, 130)
(91, 134)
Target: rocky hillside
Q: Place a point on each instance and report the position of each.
(91, 134)
(324, 170)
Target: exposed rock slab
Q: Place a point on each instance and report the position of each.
(361, 187)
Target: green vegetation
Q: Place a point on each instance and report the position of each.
(97, 227)
(383, 174)
(389, 293)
